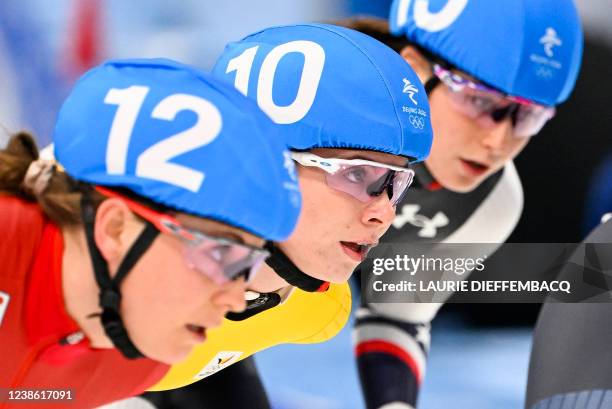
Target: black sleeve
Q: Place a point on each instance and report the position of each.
(235, 387)
(571, 357)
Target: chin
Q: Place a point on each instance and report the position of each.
(170, 357)
(335, 268)
(336, 274)
(462, 187)
(341, 274)
(455, 180)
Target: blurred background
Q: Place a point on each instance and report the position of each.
(479, 353)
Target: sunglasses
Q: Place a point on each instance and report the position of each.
(489, 107)
(363, 179)
(221, 260)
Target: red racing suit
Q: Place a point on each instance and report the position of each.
(36, 349)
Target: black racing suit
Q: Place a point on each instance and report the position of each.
(392, 339)
(571, 357)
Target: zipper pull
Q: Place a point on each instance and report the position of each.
(72, 339)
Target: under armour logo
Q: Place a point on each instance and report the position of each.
(411, 90)
(550, 40)
(429, 227)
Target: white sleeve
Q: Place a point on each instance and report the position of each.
(491, 223)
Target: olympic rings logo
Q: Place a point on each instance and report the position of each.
(545, 73)
(417, 121)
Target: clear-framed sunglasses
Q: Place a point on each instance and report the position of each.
(220, 259)
(489, 106)
(363, 179)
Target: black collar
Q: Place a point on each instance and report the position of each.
(284, 267)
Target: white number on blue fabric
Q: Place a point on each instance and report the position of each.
(129, 100)
(314, 60)
(427, 20)
(242, 65)
(154, 162)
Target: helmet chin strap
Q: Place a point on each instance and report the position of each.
(110, 293)
(430, 84)
(284, 267)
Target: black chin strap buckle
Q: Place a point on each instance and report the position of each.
(284, 267)
(110, 299)
(115, 330)
(263, 302)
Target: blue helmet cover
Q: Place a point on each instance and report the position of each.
(526, 48)
(332, 87)
(183, 139)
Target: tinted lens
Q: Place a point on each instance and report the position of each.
(383, 184)
(365, 182)
(355, 180)
(401, 183)
(474, 103)
(223, 262)
(530, 119)
(246, 267)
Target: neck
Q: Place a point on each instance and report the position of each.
(267, 281)
(425, 178)
(80, 289)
